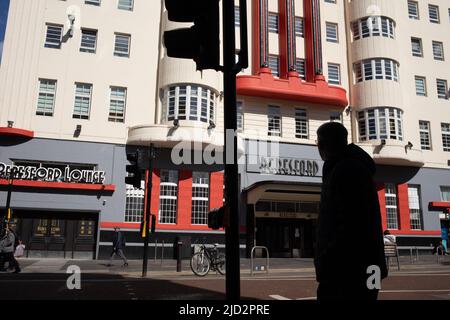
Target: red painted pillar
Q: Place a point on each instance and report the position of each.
(382, 201)
(184, 210)
(260, 28)
(283, 38)
(216, 190)
(309, 40)
(403, 207)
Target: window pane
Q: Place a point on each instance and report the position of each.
(126, 5)
(46, 97)
(53, 37)
(122, 46)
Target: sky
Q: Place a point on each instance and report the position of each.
(4, 5)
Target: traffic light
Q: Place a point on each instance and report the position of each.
(201, 42)
(216, 218)
(133, 169)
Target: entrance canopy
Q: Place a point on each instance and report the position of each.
(443, 206)
(284, 191)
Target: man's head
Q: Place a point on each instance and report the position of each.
(331, 140)
(116, 229)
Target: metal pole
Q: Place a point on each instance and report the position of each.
(147, 210)
(156, 248)
(162, 252)
(233, 291)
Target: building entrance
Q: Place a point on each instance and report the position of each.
(57, 234)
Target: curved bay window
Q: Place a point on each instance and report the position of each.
(376, 69)
(380, 123)
(373, 26)
(189, 102)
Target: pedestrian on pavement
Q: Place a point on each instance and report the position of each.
(7, 248)
(389, 238)
(350, 235)
(118, 247)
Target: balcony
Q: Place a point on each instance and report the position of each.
(393, 152)
(292, 89)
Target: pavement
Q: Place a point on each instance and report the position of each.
(168, 268)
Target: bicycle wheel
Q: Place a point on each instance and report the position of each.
(200, 264)
(220, 263)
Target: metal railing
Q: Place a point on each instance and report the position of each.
(252, 257)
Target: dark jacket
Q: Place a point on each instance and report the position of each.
(118, 241)
(350, 235)
(7, 243)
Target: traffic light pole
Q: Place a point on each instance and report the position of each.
(233, 290)
(147, 210)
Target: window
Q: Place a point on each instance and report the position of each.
(122, 45)
(415, 212)
(168, 195)
(391, 206)
(274, 65)
(373, 26)
(421, 86)
(237, 16)
(372, 69)
(442, 88)
(301, 124)
(189, 102)
(380, 123)
(438, 50)
(54, 36)
(425, 135)
(93, 2)
(332, 32)
(134, 204)
(88, 40)
(334, 74)
(240, 116)
(299, 27)
(416, 45)
(445, 128)
(200, 198)
(300, 66)
(330, 1)
(433, 12)
(273, 22)
(117, 104)
(126, 5)
(445, 193)
(274, 121)
(413, 10)
(83, 92)
(46, 98)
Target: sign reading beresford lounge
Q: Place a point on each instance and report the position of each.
(51, 174)
(284, 166)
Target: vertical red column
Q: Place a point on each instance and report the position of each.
(184, 210)
(403, 207)
(283, 38)
(260, 37)
(216, 190)
(309, 40)
(154, 201)
(382, 201)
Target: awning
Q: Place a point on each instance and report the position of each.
(442, 206)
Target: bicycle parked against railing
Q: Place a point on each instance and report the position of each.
(208, 259)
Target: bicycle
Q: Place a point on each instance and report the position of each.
(208, 259)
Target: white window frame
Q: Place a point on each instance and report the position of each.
(373, 26)
(126, 6)
(416, 42)
(274, 122)
(134, 203)
(301, 124)
(415, 210)
(366, 70)
(166, 197)
(122, 53)
(380, 123)
(331, 73)
(88, 48)
(274, 64)
(44, 93)
(114, 102)
(421, 86)
(332, 32)
(240, 116)
(445, 131)
(93, 2)
(425, 135)
(299, 25)
(77, 114)
(301, 68)
(391, 209)
(433, 15)
(413, 10)
(200, 202)
(273, 22)
(442, 89)
(438, 50)
(53, 40)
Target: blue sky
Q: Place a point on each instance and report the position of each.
(4, 5)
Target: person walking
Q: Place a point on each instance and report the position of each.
(350, 235)
(389, 238)
(118, 247)
(7, 247)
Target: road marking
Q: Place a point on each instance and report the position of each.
(414, 291)
(277, 297)
(307, 298)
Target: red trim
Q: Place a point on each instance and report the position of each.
(6, 131)
(282, 39)
(439, 205)
(382, 201)
(60, 185)
(184, 212)
(216, 194)
(403, 207)
(309, 41)
(294, 89)
(156, 184)
(415, 232)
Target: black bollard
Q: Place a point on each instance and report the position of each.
(180, 244)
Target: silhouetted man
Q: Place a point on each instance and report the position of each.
(118, 247)
(350, 235)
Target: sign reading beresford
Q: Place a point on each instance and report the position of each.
(285, 166)
(51, 174)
